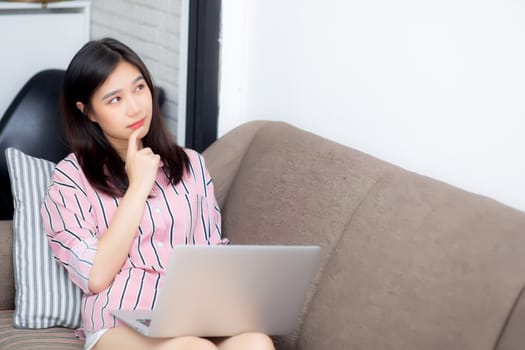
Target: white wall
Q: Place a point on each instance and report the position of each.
(435, 87)
(151, 28)
(33, 39)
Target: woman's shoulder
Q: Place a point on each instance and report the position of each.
(68, 174)
(194, 156)
(196, 165)
(70, 159)
(69, 166)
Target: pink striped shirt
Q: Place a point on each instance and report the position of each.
(76, 215)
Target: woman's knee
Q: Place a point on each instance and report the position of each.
(261, 341)
(256, 341)
(126, 338)
(183, 343)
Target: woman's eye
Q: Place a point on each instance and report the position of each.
(140, 87)
(114, 99)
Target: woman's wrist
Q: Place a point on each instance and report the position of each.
(137, 193)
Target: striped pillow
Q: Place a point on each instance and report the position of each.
(45, 297)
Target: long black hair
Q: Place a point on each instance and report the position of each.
(102, 165)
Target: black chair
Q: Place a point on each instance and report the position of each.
(32, 124)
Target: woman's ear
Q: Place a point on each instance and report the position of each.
(82, 108)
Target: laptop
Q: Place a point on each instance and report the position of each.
(224, 290)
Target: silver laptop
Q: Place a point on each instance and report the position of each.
(226, 290)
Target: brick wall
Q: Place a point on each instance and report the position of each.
(151, 28)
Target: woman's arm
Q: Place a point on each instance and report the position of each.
(113, 248)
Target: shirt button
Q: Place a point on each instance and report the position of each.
(160, 244)
(157, 210)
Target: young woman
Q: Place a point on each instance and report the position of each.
(125, 196)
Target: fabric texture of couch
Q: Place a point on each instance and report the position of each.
(407, 262)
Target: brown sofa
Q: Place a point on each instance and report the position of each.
(408, 262)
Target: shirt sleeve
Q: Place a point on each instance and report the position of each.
(69, 224)
(208, 226)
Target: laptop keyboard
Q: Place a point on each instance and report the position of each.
(145, 321)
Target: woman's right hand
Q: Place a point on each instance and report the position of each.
(141, 165)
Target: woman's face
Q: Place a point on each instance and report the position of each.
(123, 103)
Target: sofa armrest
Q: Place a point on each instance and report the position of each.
(7, 290)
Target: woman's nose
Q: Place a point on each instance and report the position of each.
(133, 106)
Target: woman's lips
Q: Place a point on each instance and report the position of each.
(136, 125)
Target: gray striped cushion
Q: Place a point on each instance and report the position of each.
(45, 297)
(40, 339)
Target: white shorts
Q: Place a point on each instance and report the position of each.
(93, 338)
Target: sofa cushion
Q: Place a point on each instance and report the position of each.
(7, 289)
(513, 334)
(45, 296)
(44, 339)
(421, 265)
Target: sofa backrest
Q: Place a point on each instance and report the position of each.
(32, 125)
(408, 262)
